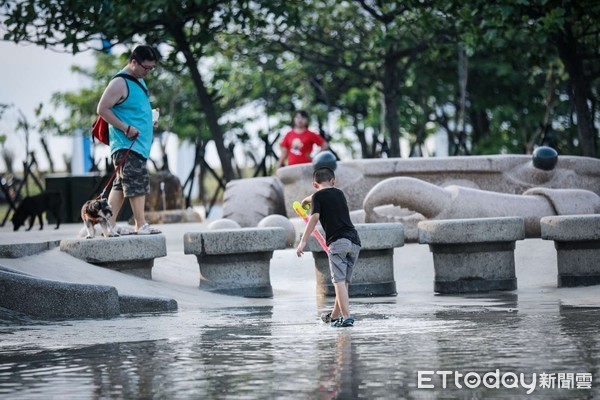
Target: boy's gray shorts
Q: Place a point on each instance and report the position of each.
(132, 179)
(342, 257)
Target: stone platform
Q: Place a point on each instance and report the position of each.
(374, 274)
(473, 255)
(577, 242)
(131, 254)
(235, 261)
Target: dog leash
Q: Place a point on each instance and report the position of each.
(101, 195)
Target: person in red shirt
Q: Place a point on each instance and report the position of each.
(298, 143)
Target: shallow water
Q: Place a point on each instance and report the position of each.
(284, 351)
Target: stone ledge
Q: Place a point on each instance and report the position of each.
(374, 274)
(571, 228)
(233, 241)
(18, 250)
(473, 230)
(577, 242)
(47, 299)
(144, 304)
(235, 261)
(124, 248)
(376, 236)
(473, 255)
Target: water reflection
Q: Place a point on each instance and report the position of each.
(338, 378)
(226, 352)
(581, 325)
(265, 352)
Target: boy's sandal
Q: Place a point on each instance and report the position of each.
(341, 322)
(146, 229)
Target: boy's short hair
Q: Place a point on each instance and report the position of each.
(323, 174)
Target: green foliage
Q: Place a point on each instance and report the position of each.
(361, 60)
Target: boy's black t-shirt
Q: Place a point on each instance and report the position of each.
(334, 216)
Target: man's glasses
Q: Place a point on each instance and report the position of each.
(146, 68)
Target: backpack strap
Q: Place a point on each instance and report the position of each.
(131, 78)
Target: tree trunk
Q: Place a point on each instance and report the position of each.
(47, 152)
(390, 97)
(463, 76)
(567, 50)
(360, 133)
(205, 100)
(480, 123)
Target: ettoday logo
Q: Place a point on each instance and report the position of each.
(508, 380)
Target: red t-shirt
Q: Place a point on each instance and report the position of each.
(300, 145)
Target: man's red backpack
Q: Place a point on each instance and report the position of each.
(100, 128)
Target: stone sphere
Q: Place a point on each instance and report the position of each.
(325, 159)
(545, 158)
(223, 223)
(279, 221)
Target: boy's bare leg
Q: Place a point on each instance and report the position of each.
(336, 307)
(342, 302)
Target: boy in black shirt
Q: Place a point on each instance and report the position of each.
(329, 206)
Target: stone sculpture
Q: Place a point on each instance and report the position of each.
(511, 174)
(455, 202)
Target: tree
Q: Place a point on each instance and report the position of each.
(572, 29)
(376, 41)
(183, 29)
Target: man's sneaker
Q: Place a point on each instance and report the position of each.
(123, 230)
(341, 322)
(326, 317)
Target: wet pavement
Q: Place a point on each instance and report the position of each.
(228, 347)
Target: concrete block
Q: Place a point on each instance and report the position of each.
(145, 304)
(568, 228)
(473, 255)
(374, 271)
(131, 254)
(472, 230)
(235, 261)
(577, 242)
(47, 299)
(18, 250)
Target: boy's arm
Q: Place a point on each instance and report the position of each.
(307, 200)
(310, 226)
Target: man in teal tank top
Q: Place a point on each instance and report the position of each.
(125, 105)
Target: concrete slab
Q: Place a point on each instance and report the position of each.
(131, 254)
(293, 279)
(235, 261)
